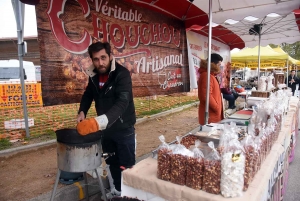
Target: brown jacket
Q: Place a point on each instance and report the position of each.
(215, 98)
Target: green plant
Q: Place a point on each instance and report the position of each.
(5, 143)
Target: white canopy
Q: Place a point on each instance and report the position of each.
(277, 17)
(239, 9)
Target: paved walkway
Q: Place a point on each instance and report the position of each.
(293, 188)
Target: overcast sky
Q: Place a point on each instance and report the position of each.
(8, 26)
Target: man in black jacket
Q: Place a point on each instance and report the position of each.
(293, 80)
(110, 86)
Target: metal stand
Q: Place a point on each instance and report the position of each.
(102, 189)
(55, 185)
(101, 186)
(86, 187)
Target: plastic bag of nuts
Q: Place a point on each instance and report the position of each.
(224, 139)
(188, 141)
(250, 163)
(258, 148)
(212, 171)
(233, 167)
(229, 133)
(194, 170)
(179, 163)
(164, 160)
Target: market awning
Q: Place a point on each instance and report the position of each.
(274, 29)
(179, 9)
(194, 18)
(220, 34)
(238, 10)
(248, 57)
(251, 54)
(237, 17)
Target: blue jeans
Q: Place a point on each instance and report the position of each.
(231, 100)
(122, 143)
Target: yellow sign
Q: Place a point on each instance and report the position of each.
(263, 64)
(237, 64)
(252, 65)
(279, 64)
(11, 95)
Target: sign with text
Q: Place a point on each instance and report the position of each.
(198, 49)
(150, 45)
(11, 95)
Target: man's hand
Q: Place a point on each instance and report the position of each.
(87, 126)
(91, 125)
(80, 117)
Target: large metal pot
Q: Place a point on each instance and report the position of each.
(71, 136)
(76, 153)
(80, 157)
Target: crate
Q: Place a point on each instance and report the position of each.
(262, 94)
(279, 79)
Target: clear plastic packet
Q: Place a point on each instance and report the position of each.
(251, 160)
(258, 149)
(224, 139)
(272, 123)
(254, 115)
(212, 171)
(230, 132)
(179, 163)
(164, 160)
(264, 142)
(262, 84)
(233, 168)
(194, 170)
(267, 135)
(270, 85)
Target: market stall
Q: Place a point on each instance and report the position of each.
(248, 57)
(268, 183)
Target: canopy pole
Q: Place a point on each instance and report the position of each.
(287, 72)
(19, 15)
(208, 62)
(258, 69)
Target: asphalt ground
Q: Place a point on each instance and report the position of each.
(293, 187)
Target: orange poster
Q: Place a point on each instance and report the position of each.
(11, 95)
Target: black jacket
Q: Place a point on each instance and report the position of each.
(114, 99)
(296, 79)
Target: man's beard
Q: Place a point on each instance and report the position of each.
(104, 70)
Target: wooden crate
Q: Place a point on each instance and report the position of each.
(262, 94)
(279, 79)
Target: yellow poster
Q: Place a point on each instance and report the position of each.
(11, 95)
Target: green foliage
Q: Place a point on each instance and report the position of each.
(5, 143)
(292, 49)
(273, 46)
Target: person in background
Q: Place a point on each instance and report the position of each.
(293, 80)
(236, 82)
(110, 86)
(215, 99)
(230, 96)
